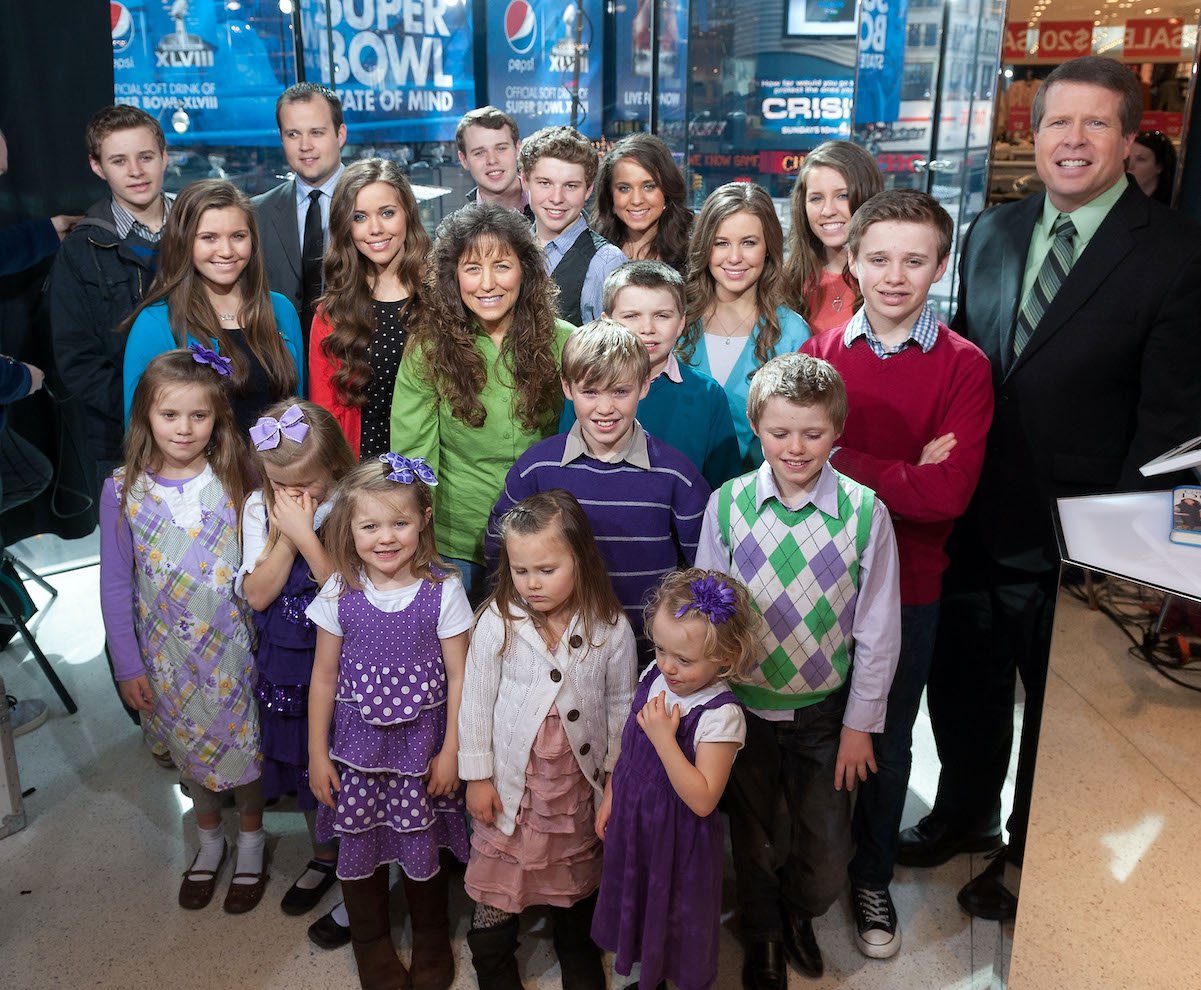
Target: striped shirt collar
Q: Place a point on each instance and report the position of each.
(924, 333)
(127, 223)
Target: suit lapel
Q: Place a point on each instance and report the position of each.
(1009, 240)
(1106, 250)
(281, 217)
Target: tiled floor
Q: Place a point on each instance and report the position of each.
(87, 890)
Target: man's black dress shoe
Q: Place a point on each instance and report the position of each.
(801, 945)
(932, 842)
(986, 896)
(763, 967)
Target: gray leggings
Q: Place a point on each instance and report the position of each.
(248, 798)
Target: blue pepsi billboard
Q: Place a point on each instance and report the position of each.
(544, 62)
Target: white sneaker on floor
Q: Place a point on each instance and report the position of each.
(27, 715)
(877, 932)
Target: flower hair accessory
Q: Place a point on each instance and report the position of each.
(713, 598)
(266, 432)
(407, 470)
(204, 355)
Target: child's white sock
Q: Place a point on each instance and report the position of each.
(212, 845)
(340, 916)
(250, 855)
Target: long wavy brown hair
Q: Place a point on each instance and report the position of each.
(806, 252)
(189, 312)
(723, 203)
(225, 452)
(670, 243)
(350, 278)
(370, 479)
(592, 598)
(445, 330)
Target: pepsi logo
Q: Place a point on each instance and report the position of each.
(521, 26)
(122, 25)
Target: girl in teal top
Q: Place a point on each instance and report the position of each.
(736, 319)
(479, 380)
(211, 289)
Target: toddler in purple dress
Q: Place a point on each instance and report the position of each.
(392, 629)
(660, 894)
(301, 454)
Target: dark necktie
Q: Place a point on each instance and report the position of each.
(312, 248)
(1054, 270)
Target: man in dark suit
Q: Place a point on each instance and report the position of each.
(294, 216)
(1087, 301)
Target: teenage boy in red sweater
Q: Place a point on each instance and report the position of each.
(921, 402)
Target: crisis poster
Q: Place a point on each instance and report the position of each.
(544, 62)
(633, 52)
(804, 99)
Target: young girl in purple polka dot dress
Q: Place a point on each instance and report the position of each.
(660, 895)
(301, 455)
(392, 627)
(549, 679)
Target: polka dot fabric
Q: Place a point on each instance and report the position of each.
(389, 723)
(387, 346)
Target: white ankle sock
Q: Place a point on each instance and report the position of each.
(212, 844)
(311, 878)
(250, 854)
(340, 916)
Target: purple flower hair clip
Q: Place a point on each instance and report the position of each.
(266, 433)
(204, 355)
(714, 599)
(407, 470)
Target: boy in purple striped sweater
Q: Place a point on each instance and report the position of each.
(644, 499)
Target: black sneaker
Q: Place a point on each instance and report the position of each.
(876, 930)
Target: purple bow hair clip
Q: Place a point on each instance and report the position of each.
(266, 432)
(204, 355)
(406, 470)
(714, 599)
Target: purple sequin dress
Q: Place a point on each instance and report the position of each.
(660, 894)
(389, 723)
(284, 658)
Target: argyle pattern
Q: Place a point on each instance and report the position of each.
(802, 570)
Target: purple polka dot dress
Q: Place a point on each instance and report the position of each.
(389, 723)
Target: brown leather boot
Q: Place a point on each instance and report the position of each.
(433, 964)
(371, 933)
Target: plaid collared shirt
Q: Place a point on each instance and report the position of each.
(127, 223)
(924, 333)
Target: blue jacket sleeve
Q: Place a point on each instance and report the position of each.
(15, 380)
(23, 245)
(149, 337)
(289, 328)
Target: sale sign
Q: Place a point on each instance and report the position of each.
(1016, 33)
(1061, 40)
(1153, 38)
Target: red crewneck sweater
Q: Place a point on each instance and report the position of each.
(897, 406)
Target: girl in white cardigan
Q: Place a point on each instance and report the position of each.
(550, 676)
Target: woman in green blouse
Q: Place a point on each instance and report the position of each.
(479, 382)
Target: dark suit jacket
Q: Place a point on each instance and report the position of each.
(1111, 376)
(276, 213)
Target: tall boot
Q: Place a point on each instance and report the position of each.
(433, 964)
(494, 954)
(579, 958)
(371, 933)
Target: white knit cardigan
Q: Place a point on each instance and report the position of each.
(506, 699)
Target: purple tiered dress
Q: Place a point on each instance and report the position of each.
(389, 723)
(660, 894)
(284, 658)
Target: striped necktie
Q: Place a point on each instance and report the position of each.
(1054, 270)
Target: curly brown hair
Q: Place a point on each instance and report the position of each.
(723, 203)
(445, 330)
(349, 277)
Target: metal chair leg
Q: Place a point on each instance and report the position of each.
(59, 688)
(28, 573)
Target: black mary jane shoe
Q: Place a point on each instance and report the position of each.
(301, 900)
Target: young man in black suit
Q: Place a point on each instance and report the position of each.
(1087, 301)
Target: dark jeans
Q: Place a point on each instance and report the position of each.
(799, 863)
(881, 798)
(995, 624)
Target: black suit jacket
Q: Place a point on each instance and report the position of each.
(276, 213)
(1110, 378)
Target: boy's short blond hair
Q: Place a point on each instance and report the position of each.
(799, 378)
(602, 354)
(563, 143)
(644, 274)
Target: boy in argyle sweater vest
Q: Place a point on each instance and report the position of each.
(818, 554)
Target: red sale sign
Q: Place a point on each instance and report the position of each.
(1015, 41)
(1061, 40)
(1153, 38)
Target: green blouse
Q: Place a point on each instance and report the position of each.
(470, 463)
